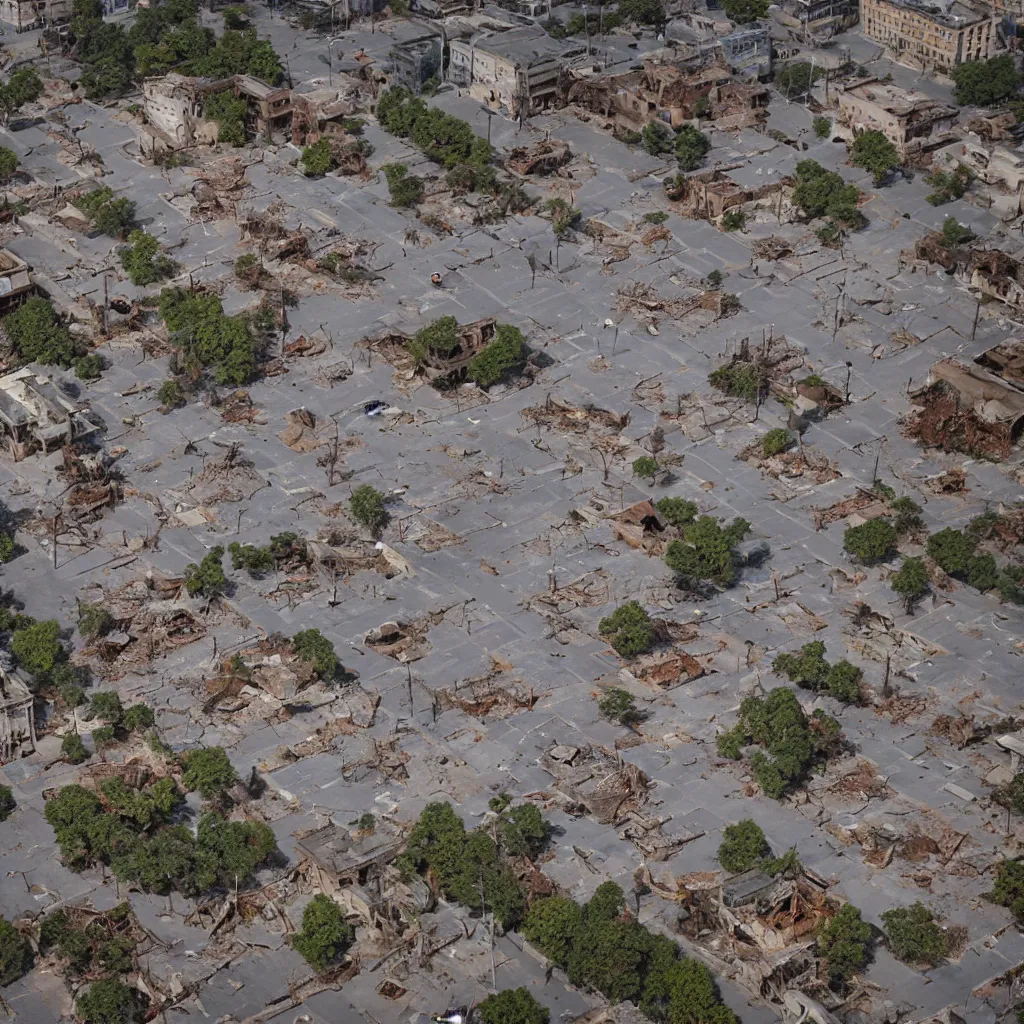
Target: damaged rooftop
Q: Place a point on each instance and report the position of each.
(548, 418)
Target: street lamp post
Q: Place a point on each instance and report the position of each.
(586, 24)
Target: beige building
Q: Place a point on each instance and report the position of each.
(912, 122)
(518, 69)
(927, 37)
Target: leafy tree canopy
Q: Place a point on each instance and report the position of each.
(983, 83)
(628, 629)
(875, 153)
(325, 933)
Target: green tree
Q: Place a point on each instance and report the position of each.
(15, 953)
(822, 193)
(657, 138)
(228, 111)
(257, 561)
(523, 831)
(551, 925)
(796, 77)
(23, 86)
(512, 1006)
(910, 581)
(37, 647)
(207, 579)
(875, 153)
(691, 147)
(743, 847)
(143, 261)
(873, 541)
(325, 933)
(845, 943)
(983, 83)
(9, 163)
(208, 771)
(744, 11)
(914, 935)
(369, 508)
(504, 355)
(706, 552)
(108, 1001)
(38, 335)
(7, 802)
(618, 705)
(317, 159)
(810, 670)
(822, 127)
(313, 647)
(628, 629)
(642, 12)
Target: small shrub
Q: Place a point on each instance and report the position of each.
(743, 847)
(143, 261)
(776, 441)
(748, 381)
(406, 189)
(504, 355)
(676, 511)
(907, 514)
(94, 620)
(369, 508)
(317, 159)
(845, 943)
(88, 367)
(822, 127)
(171, 396)
(208, 772)
(873, 541)
(207, 579)
(15, 953)
(910, 581)
(645, 467)
(137, 718)
(914, 936)
(655, 217)
(714, 279)
(105, 706)
(313, 647)
(7, 802)
(628, 629)
(72, 748)
(619, 705)
(512, 1006)
(734, 219)
(108, 1001)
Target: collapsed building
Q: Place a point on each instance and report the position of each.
(670, 93)
(748, 52)
(17, 715)
(975, 408)
(997, 171)
(35, 414)
(29, 14)
(174, 109)
(15, 281)
(912, 122)
(708, 194)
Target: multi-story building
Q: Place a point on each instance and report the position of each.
(912, 122)
(929, 35)
(518, 69)
(815, 21)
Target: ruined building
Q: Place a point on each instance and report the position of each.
(912, 122)
(15, 281)
(669, 93)
(998, 171)
(37, 415)
(17, 716)
(747, 52)
(927, 36)
(174, 109)
(29, 14)
(517, 70)
(815, 21)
